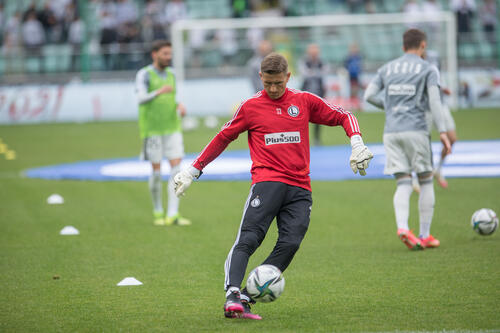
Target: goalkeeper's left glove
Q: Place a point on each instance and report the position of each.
(183, 179)
(360, 156)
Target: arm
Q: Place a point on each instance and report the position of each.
(229, 132)
(437, 115)
(181, 109)
(433, 92)
(303, 69)
(253, 73)
(324, 113)
(142, 87)
(371, 95)
(373, 89)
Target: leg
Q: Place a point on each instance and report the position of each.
(423, 166)
(401, 200)
(293, 222)
(402, 210)
(173, 149)
(426, 202)
(452, 136)
(152, 153)
(156, 189)
(173, 200)
(399, 156)
(262, 205)
(414, 182)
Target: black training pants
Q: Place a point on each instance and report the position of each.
(291, 205)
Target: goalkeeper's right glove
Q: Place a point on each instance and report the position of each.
(183, 179)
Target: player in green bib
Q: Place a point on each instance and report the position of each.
(160, 129)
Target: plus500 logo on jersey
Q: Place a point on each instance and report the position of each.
(402, 90)
(284, 137)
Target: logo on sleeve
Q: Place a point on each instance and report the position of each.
(293, 111)
(283, 137)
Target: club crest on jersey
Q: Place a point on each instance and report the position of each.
(255, 202)
(293, 111)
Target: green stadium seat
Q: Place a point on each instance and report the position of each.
(467, 51)
(211, 58)
(57, 58)
(32, 64)
(96, 62)
(486, 50)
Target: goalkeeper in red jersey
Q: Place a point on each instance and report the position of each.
(277, 121)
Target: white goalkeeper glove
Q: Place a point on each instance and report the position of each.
(183, 179)
(360, 156)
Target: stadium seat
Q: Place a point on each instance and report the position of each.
(485, 50)
(57, 58)
(33, 64)
(211, 58)
(467, 51)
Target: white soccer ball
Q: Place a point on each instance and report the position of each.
(265, 283)
(484, 221)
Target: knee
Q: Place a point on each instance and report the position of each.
(425, 177)
(249, 242)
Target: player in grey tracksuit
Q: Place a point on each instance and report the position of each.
(405, 88)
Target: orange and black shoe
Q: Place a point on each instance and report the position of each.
(410, 240)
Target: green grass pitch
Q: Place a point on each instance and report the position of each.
(351, 273)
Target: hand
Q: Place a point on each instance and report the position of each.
(445, 141)
(164, 90)
(183, 179)
(181, 109)
(360, 158)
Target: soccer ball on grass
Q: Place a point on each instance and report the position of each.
(484, 221)
(265, 283)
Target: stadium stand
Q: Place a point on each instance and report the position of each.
(114, 35)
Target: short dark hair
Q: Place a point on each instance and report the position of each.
(159, 44)
(412, 39)
(274, 63)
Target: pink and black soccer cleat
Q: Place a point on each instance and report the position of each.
(410, 240)
(233, 307)
(430, 242)
(247, 313)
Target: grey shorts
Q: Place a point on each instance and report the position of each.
(406, 152)
(170, 146)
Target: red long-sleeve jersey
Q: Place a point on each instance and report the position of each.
(278, 134)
